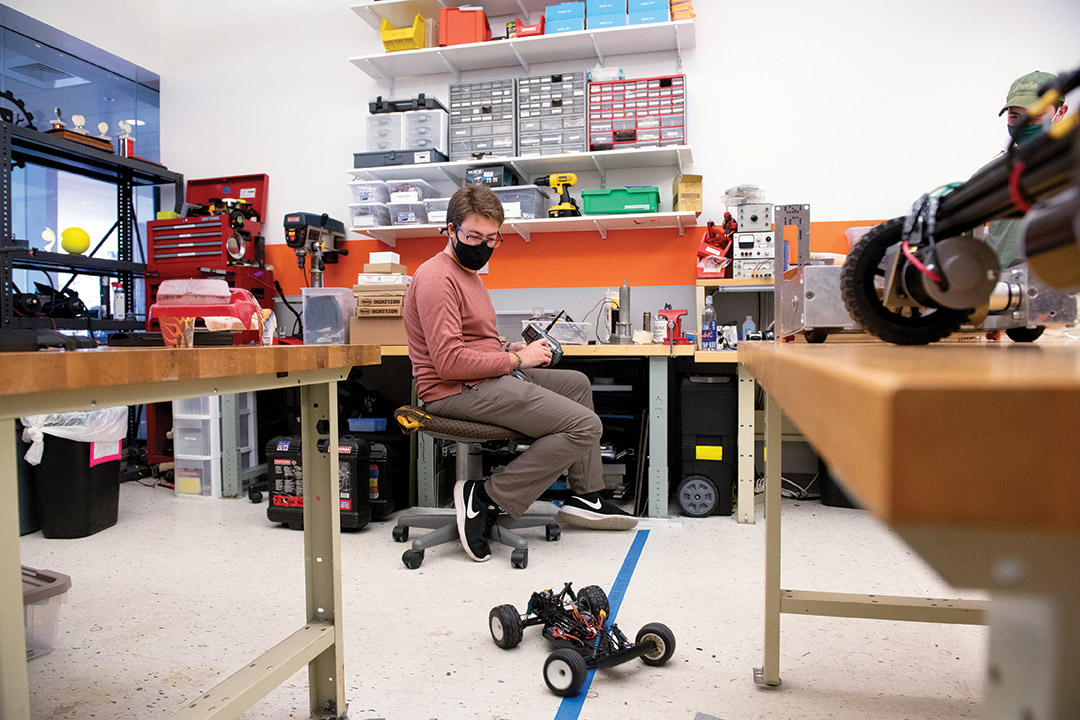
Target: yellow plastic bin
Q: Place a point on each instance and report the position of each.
(410, 38)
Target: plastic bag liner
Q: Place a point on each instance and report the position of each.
(105, 425)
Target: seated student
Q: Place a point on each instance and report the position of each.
(464, 371)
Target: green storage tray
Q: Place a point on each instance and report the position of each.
(619, 201)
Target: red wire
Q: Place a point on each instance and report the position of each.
(918, 264)
(1015, 193)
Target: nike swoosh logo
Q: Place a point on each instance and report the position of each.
(595, 505)
(469, 512)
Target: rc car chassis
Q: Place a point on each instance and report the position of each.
(576, 624)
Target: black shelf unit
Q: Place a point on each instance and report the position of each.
(22, 146)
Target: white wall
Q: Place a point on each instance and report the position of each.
(856, 107)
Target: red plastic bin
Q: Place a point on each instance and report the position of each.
(458, 26)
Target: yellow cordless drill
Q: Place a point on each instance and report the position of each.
(561, 182)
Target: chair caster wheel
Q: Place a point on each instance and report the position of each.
(412, 558)
(255, 496)
(519, 558)
(400, 533)
(553, 532)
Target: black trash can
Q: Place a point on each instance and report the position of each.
(28, 512)
(75, 500)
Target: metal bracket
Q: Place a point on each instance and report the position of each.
(523, 61)
(522, 231)
(596, 49)
(450, 67)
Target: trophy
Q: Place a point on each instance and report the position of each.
(125, 143)
(57, 123)
(79, 121)
(103, 127)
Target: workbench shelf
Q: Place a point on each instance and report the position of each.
(521, 53)
(526, 227)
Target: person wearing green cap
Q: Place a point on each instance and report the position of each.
(1004, 236)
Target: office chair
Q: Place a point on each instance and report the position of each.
(469, 438)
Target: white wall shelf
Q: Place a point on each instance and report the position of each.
(401, 12)
(678, 157)
(524, 52)
(601, 224)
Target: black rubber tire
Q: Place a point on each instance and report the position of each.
(564, 672)
(815, 336)
(553, 532)
(862, 301)
(412, 558)
(1025, 334)
(505, 625)
(664, 639)
(255, 496)
(519, 559)
(697, 496)
(400, 533)
(593, 600)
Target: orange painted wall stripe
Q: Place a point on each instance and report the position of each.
(557, 260)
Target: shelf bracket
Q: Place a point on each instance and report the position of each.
(450, 67)
(601, 228)
(379, 72)
(682, 228)
(596, 49)
(678, 49)
(522, 231)
(524, 10)
(523, 61)
(600, 170)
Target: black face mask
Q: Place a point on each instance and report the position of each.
(472, 257)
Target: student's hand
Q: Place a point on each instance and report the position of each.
(535, 354)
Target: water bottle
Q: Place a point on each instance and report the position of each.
(708, 325)
(119, 302)
(748, 327)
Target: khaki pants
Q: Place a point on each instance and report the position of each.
(556, 409)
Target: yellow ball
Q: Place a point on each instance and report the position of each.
(75, 241)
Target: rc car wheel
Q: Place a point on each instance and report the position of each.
(1025, 334)
(400, 533)
(505, 625)
(817, 335)
(412, 558)
(553, 532)
(564, 672)
(664, 640)
(593, 600)
(519, 559)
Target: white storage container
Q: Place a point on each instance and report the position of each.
(436, 210)
(410, 191)
(369, 214)
(197, 407)
(522, 201)
(369, 191)
(197, 478)
(196, 437)
(408, 213)
(426, 130)
(385, 132)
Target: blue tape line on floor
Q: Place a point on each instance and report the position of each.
(570, 708)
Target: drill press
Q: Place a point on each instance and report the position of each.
(315, 235)
(561, 182)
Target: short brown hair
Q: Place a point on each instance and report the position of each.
(474, 200)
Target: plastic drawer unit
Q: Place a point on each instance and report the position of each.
(408, 213)
(384, 133)
(551, 114)
(522, 201)
(640, 112)
(482, 116)
(369, 214)
(618, 201)
(426, 130)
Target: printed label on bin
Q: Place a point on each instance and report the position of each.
(406, 217)
(283, 445)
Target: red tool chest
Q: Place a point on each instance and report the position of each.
(640, 112)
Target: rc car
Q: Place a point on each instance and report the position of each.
(577, 624)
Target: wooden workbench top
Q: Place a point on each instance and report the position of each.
(29, 372)
(979, 434)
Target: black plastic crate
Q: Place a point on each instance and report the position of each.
(284, 461)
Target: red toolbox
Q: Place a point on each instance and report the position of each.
(639, 112)
(458, 26)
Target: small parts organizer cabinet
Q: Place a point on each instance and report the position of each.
(551, 114)
(199, 451)
(641, 112)
(482, 120)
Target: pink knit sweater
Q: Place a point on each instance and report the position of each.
(450, 322)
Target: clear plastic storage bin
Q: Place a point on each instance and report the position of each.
(408, 213)
(44, 591)
(201, 407)
(194, 437)
(326, 313)
(197, 477)
(522, 201)
(369, 214)
(414, 191)
(384, 132)
(364, 191)
(436, 210)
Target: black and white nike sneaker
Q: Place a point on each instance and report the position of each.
(593, 512)
(475, 516)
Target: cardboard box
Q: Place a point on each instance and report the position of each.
(603, 20)
(385, 268)
(384, 257)
(369, 312)
(377, 331)
(686, 193)
(372, 305)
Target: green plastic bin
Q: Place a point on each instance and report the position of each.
(619, 201)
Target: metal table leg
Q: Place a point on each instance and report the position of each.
(769, 673)
(658, 430)
(14, 687)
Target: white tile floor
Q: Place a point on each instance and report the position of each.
(180, 593)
